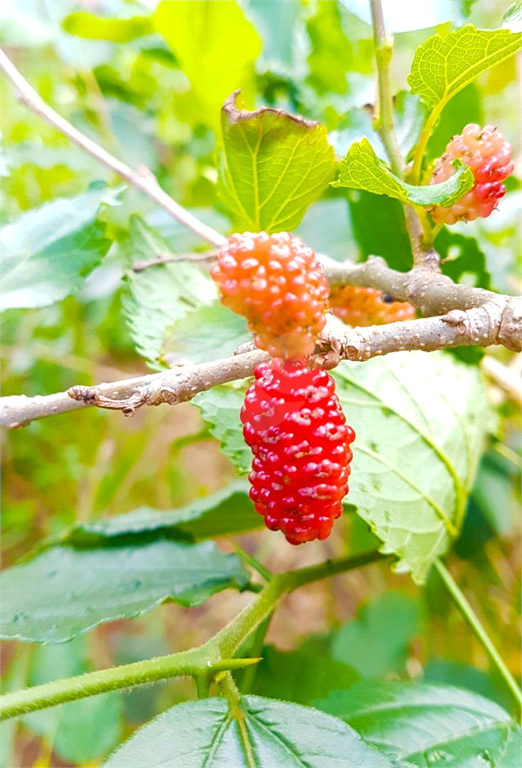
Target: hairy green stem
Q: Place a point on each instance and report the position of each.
(206, 660)
(472, 619)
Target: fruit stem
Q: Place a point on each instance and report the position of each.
(472, 619)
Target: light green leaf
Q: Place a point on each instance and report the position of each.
(512, 18)
(216, 47)
(300, 676)
(331, 56)
(158, 296)
(208, 333)
(219, 408)
(420, 421)
(46, 253)
(443, 65)
(270, 733)
(428, 725)
(222, 513)
(376, 642)
(272, 166)
(362, 169)
(63, 591)
(93, 27)
(74, 729)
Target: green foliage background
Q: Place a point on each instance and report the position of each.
(147, 82)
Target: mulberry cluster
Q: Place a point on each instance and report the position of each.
(277, 283)
(368, 306)
(489, 157)
(294, 424)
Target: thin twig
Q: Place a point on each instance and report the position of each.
(143, 179)
(139, 266)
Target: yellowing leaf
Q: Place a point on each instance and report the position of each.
(272, 166)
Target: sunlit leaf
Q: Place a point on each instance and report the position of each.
(216, 47)
(331, 56)
(262, 732)
(118, 30)
(362, 169)
(63, 591)
(443, 65)
(272, 166)
(429, 724)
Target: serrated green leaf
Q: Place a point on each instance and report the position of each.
(362, 169)
(46, 253)
(429, 724)
(73, 729)
(209, 332)
(118, 30)
(63, 591)
(223, 513)
(272, 166)
(270, 733)
(216, 47)
(300, 676)
(158, 296)
(420, 421)
(219, 408)
(443, 65)
(376, 642)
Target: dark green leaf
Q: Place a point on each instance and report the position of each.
(362, 169)
(272, 166)
(465, 261)
(63, 592)
(160, 295)
(261, 733)
(376, 642)
(119, 30)
(416, 451)
(428, 725)
(207, 333)
(496, 492)
(390, 239)
(80, 731)
(299, 676)
(46, 253)
(216, 47)
(443, 65)
(225, 512)
(441, 672)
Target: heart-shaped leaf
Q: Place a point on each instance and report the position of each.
(362, 169)
(427, 725)
(63, 591)
(257, 733)
(272, 166)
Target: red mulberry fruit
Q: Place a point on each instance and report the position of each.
(489, 157)
(294, 424)
(277, 283)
